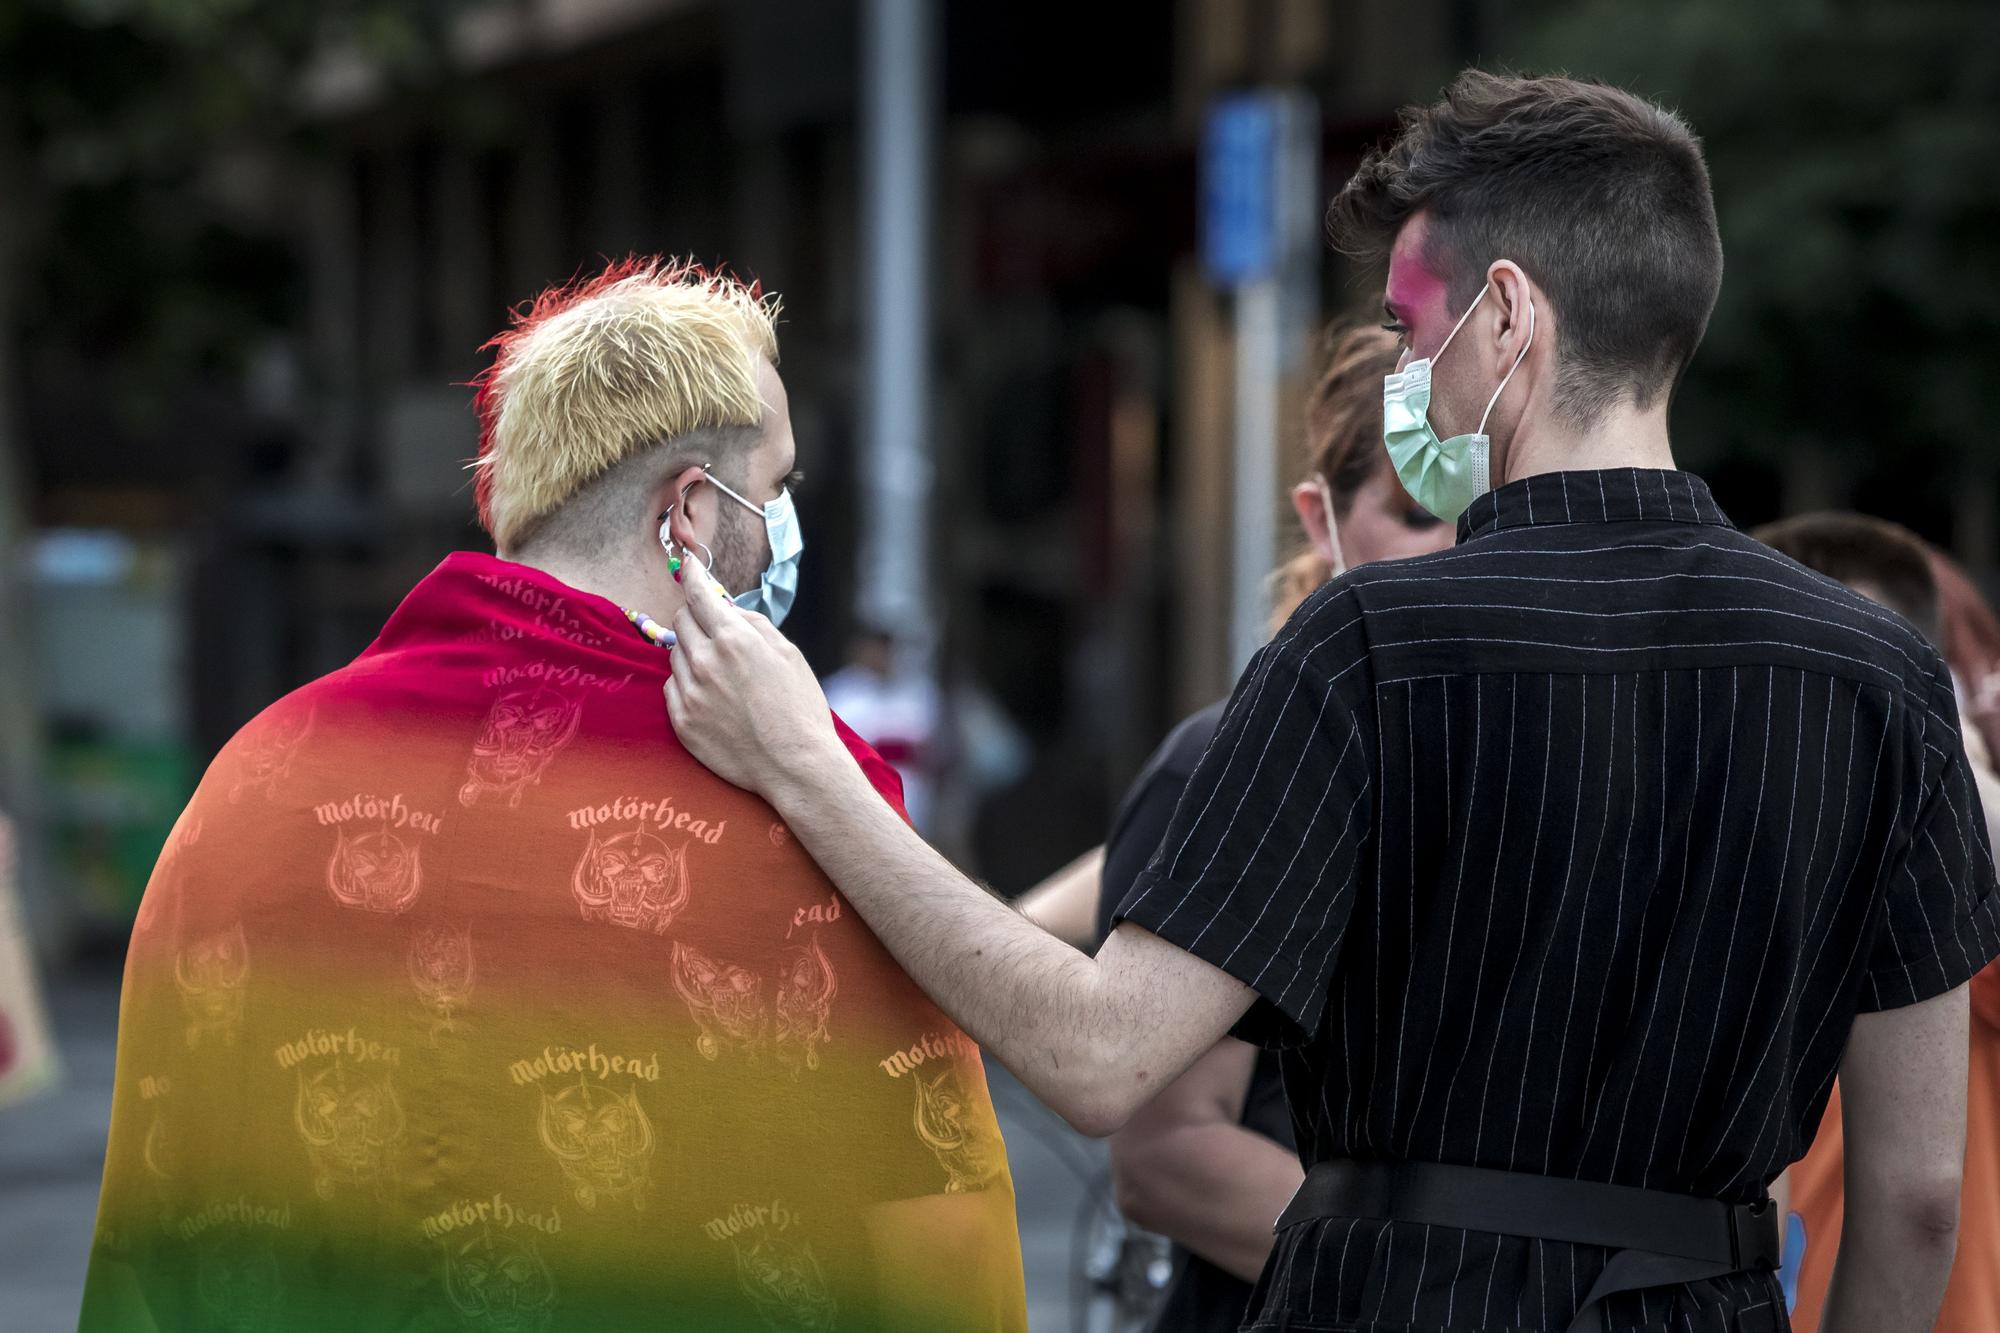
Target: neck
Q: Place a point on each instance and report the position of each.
(623, 582)
(1624, 437)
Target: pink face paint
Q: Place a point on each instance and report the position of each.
(1417, 293)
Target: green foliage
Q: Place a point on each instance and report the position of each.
(140, 265)
(1855, 149)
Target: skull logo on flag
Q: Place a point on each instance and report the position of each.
(966, 1149)
(349, 1123)
(633, 880)
(602, 1142)
(377, 872)
(209, 975)
(806, 987)
(524, 730)
(499, 1283)
(441, 969)
(784, 1282)
(726, 1001)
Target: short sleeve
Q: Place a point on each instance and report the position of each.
(1940, 912)
(1258, 869)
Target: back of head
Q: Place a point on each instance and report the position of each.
(1344, 409)
(600, 387)
(1600, 196)
(1343, 442)
(1970, 629)
(1884, 560)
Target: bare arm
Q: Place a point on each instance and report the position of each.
(1065, 904)
(1093, 1038)
(1185, 1166)
(1902, 1093)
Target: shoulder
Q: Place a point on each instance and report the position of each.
(1871, 632)
(881, 776)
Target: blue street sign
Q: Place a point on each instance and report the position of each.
(1239, 188)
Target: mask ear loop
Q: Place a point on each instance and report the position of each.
(1456, 327)
(1339, 564)
(1505, 380)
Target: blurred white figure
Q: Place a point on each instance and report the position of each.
(27, 1055)
(894, 705)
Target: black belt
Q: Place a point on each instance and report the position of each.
(1659, 1238)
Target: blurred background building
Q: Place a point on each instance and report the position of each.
(249, 252)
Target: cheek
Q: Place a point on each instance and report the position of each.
(1375, 530)
(1368, 534)
(1423, 541)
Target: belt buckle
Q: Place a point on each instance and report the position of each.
(1753, 1239)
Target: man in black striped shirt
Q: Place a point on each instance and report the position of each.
(1566, 867)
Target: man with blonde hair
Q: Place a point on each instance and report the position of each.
(462, 997)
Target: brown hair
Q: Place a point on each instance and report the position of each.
(1343, 441)
(1601, 197)
(1854, 548)
(1971, 637)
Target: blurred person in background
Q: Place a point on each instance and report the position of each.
(895, 709)
(1212, 1160)
(27, 1049)
(1477, 827)
(1352, 515)
(462, 996)
(1972, 648)
(1900, 570)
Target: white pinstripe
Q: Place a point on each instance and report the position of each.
(1687, 983)
(1582, 918)
(1731, 605)
(1735, 919)
(1492, 896)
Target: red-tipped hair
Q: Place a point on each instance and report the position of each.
(593, 370)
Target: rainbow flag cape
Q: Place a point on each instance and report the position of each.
(462, 997)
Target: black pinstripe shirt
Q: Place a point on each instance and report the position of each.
(1574, 849)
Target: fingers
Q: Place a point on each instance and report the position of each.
(704, 596)
(764, 627)
(690, 641)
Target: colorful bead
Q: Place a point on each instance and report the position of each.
(651, 628)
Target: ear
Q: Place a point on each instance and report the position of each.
(1516, 313)
(680, 497)
(1321, 530)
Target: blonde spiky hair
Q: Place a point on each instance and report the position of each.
(604, 367)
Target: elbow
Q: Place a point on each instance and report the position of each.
(1918, 1214)
(1928, 1213)
(1096, 1112)
(1102, 1097)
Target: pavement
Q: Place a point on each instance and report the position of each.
(51, 1158)
(52, 1154)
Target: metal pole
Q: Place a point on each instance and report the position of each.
(898, 115)
(1259, 352)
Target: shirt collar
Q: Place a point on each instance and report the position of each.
(481, 599)
(1617, 495)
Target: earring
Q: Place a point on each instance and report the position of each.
(676, 558)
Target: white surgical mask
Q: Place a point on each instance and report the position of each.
(1444, 476)
(778, 585)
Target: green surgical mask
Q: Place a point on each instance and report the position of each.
(1444, 476)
